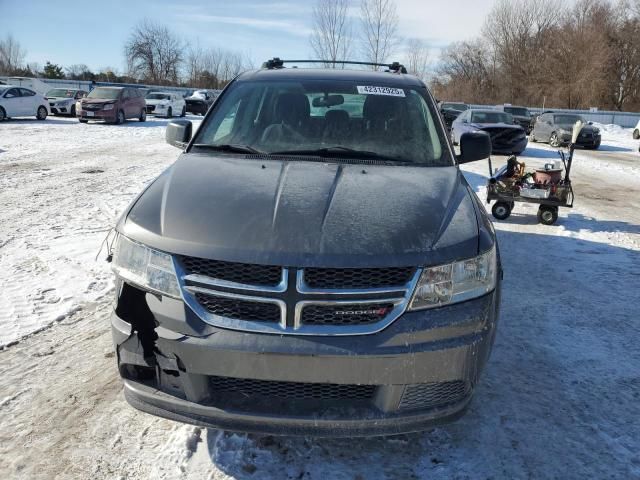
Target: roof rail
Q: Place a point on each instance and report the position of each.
(276, 63)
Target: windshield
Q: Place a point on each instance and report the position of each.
(329, 118)
(566, 119)
(455, 106)
(106, 93)
(61, 92)
(521, 112)
(491, 117)
(157, 96)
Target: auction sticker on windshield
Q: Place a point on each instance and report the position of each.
(392, 92)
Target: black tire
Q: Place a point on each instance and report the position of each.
(547, 215)
(170, 113)
(553, 140)
(184, 111)
(120, 117)
(83, 120)
(143, 115)
(501, 210)
(41, 113)
(72, 113)
(636, 134)
(3, 114)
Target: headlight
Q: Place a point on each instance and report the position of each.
(455, 282)
(108, 106)
(145, 267)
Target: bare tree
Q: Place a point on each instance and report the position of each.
(11, 55)
(331, 37)
(379, 20)
(154, 54)
(79, 71)
(417, 58)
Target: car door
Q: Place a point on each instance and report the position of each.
(30, 101)
(125, 102)
(546, 126)
(11, 102)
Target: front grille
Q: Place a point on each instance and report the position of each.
(150, 108)
(349, 278)
(249, 388)
(345, 314)
(245, 273)
(430, 395)
(239, 309)
(92, 107)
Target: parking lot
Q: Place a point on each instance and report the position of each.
(559, 397)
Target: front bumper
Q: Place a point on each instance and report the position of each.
(106, 115)
(62, 109)
(421, 371)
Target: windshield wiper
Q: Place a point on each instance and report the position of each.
(339, 151)
(229, 147)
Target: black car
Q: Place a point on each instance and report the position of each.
(507, 137)
(556, 128)
(199, 102)
(451, 110)
(521, 115)
(313, 263)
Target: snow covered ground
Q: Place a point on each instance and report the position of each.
(559, 398)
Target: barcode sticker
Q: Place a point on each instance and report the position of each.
(390, 91)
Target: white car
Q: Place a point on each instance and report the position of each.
(22, 102)
(63, 100)
(165, 104)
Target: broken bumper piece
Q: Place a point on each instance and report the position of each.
(419, 371)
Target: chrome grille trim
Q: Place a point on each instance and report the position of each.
(190, 284)
(233, 322)
(215, 282)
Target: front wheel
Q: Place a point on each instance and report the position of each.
(184, 111)
(169, 113)
(83, 120)
(72, 113)
(41, 114)
(501, 210)
(143, 115)
(547, 215)
(120, 117)
(636, 134)
(553, 140)
(3, 114)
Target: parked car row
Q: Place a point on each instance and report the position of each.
(509, 126)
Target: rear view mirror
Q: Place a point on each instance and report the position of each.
(178, 133)
(474, 146)
(328, 101)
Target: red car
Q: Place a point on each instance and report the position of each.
(112, 104)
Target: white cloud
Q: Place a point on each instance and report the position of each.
(291, 27)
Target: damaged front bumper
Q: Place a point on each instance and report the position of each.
(419, 371)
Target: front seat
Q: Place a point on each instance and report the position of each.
(290, 117)
(382, 115)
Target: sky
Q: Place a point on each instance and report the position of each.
(93, 32)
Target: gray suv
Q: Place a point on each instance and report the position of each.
(314, 263)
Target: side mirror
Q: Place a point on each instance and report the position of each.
(474, 146)
(178, 133)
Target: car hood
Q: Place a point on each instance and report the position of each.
(485, 126)
(304, 213)
(60, 98)
(149, 101)
(97, 100)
